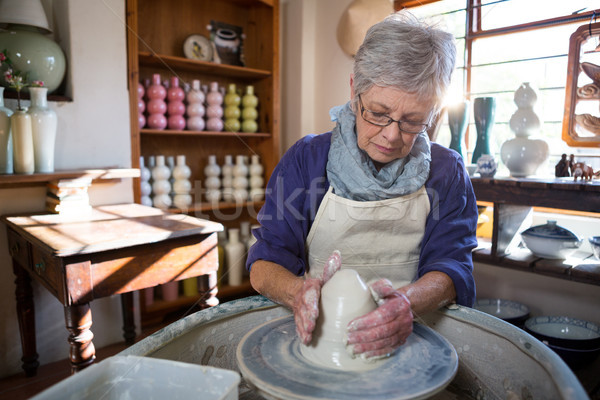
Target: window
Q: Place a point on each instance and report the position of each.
(503, 43)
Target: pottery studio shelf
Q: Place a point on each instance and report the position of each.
(513, 200)
(104, 175)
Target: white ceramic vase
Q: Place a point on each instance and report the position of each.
(523, 155)
(23, 155)
(234, 256)
(212, 182)
(256, 181)
(240, 179)
(44, 124)
(227, 178)
(145, 186)
(161, 186)
(6, 140)
(182, 186)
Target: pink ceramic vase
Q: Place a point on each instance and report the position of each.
(214, 112)
(175, 108)
(156, 104)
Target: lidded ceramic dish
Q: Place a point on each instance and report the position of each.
(551, 240)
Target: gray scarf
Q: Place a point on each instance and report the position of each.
(352, 173)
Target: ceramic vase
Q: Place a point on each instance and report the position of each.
(212, 182)
(175, 106)
(44, 123)
(182, 186)
(458, 119)
(249, 111)
(32, 51)
(23, 155)
(523, 155)
(232, 109)
(234, 255)
(256, 181)
(484, 113)
(170, 291)
(151, 165)
(227, 179)
(195, 109)
(141, 91)
(221, 243)
(6, 140)
(240, 180)
(214, 111)
(156, 107)
(190, 287)
(145, 187)
(170, 161)
(161, 186)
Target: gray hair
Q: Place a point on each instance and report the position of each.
(405, 53)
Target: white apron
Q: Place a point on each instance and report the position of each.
(379, 239)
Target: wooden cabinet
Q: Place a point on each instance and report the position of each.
(156, 33)
(513, 200)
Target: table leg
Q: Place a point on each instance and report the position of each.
(26, 317)
(78, 319)
(207, 287)
(128, 320)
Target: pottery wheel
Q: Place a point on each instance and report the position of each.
(269, 358)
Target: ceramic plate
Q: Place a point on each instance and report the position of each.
(509, 311)
(269, 359)
(198, 47)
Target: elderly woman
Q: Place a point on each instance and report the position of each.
(400, 210)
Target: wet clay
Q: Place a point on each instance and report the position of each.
(344, 297)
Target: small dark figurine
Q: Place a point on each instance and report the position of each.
(562, 168)
(582, 170)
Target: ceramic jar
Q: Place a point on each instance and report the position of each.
(161, 186)
(232, 109)
(551, 240)
(458, 119)
(175, 106)
(156, 107)
(195, 108)
(214, 111)
(211, 180)
(145, 186)
(182, 186)
(240, 179)
(249, 111)
(227, 178)
(523, 155)
(256, 181)
(6, 140)
(141, 106)
(44, 123)
(234, 256)
(23, 155)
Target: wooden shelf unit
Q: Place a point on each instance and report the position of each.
(157, 30)
(8, 181)
(513, 200)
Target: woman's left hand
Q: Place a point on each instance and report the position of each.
(381, 331)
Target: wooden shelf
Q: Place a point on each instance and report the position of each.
(154, 312)
(180, 63)
(97, 175)
(513, 200)
(11, 94)
(202, 133)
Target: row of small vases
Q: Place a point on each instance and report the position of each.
(207, 108)
(165, 183)
(28, 136)
(239, 182)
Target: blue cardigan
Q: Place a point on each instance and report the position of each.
(299, 183)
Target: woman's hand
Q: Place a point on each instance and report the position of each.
(381, 331)
(306, 302)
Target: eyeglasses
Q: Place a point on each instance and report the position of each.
(383, 120)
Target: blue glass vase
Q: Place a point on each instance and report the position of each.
(458, 119)
(484, 113)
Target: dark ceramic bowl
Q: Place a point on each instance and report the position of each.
(576, 341)
(595, 242)
(507, 310)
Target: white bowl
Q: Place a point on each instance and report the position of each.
(551, 241)
(507, 310)
(595, 243)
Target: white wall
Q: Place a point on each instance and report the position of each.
(93, 133)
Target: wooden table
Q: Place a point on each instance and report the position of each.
(114, 249)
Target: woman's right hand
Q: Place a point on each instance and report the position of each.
(306, 302)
